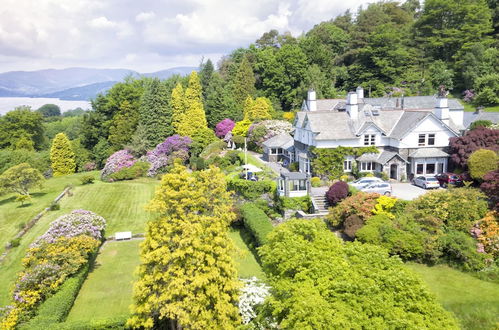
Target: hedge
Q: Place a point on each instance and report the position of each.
(57, 307)
(256, 222)
(251, 189)
(117, 322)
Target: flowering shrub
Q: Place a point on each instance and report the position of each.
(486, 232)
(384, 206)
(56, 255)
(360, 204)
(468, 95)
(90, 166)
(175, 146)
(117, 161)
(252, 294)
(241, 128)
(224, 127)
(264, 130)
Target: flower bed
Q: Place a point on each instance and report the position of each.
(50, 260)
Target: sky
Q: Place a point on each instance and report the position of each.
(145, 35)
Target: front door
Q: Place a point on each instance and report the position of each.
(394, 171)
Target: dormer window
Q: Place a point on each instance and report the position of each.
(369, 139)
(426, 140)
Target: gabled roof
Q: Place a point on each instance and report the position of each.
(283, 140)
(381, 158)
(323, 104)
(470, 117)
(411, 102)
(408, 121)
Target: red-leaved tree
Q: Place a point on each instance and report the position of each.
(480, 138)
(337, 192)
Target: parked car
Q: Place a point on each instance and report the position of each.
(426, 182)
(365, 181)
(446, 179)
(382, 188)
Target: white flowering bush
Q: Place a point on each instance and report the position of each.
(253, 294)
(264, 130)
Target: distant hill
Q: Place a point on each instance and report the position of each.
(71, 83)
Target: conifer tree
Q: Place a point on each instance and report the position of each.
(188, 278)
(155, 113)
(220, 103)
(123, 125)
(206, 74)
(244, 83)
(62, 156)
(178, 106)
(194, 118)
(259, 109)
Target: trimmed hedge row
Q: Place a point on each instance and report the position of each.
(117, 322)
(251, 189)
(57, 307)
(256, 222)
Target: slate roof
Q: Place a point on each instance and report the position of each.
(428, 153)
(411, 102)
(380, 158)
(294, 175)
(470, 117)
(323, 104)
(283, 140)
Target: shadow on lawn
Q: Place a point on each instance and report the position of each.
(248, 240)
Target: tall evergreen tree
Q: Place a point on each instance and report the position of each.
(244, 82)
(123, 125)
(206, 74)
(188, 279)
(155, 113)
(194, 117)
(220, 103)
(259, 109)
(178, 106)
(62, 157)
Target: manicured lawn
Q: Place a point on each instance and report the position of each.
(120, 203)
(12, 215)
(246, 262)
(107, 292)
(470, 108)
(474, 302)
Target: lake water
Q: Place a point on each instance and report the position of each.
(10, 103)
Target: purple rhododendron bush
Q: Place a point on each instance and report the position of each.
(56, 255)
(173, 147)
(117, 161)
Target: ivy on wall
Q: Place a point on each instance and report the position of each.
(329, 162)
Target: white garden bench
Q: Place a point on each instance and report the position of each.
(123, 235)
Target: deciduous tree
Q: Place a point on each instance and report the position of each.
(20, 179)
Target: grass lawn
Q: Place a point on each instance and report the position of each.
(247, 265)
(120, 203)
(474, 302)
(471, 108)
(108, 289)
(12, 215)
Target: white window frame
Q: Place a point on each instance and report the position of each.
(367, 166)
(369, 139)
(426, 137)
(347, 165)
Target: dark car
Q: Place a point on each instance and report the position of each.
(446, 179)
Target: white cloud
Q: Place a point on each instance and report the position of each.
(147, 34)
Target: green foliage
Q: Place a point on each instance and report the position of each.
(294, 203)
(15, 242)
(82, 155)
(55, 309)
(244, 82)
(24, 143)
(487, 87)
(457, 208)
(23, 199)
(256, 110)
(316, 182)
(481, 162)
(39, 160)
(125, 121)
(256, 222)
(480, 123)
(20, 179)
(212, 149)
(369, 289)
(202, 138)
(241, 128)
(251, 189)
(49, 110)
(220, 102)
(155, 116)
(71, 126)
(329, 162)
(459, 250)
(384, 206)
(21, 123)
(62, 157)
(441, 75)
(87, 179)
(137, 170)
(193, 283)
(188, 111)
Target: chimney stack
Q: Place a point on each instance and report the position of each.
(442, 109)
(311, 100)
(352, 105)
(360, 93)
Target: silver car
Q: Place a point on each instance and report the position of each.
(382, 188)
(426, 182)
(365, 181)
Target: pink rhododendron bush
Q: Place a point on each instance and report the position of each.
(117, 161)
(224, 127)
(61, 252)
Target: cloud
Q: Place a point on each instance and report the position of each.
(148, 34)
